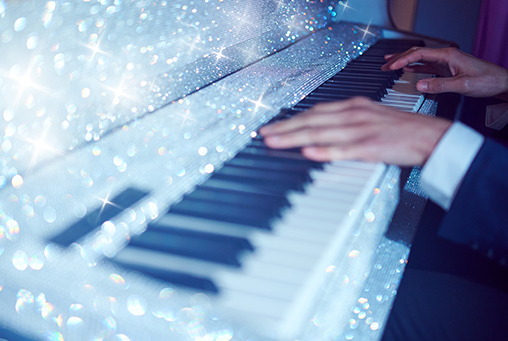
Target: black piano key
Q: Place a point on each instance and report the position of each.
(261, 174)
(270, 164)
(174, 277)
(256, 154)
(244, 187)
(367, 74)
(387, 83)
(273, 186)
(280, 153)
(193, 244)
(89, 222)
(261, 144)
(316, 95)
(227, 213)
(383, 83)
(254, 201)
(339, 86)
(251, 188)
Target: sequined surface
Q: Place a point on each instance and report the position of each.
(101, 97)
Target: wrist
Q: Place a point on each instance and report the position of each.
(503, 95)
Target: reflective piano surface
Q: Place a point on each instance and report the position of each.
(114, 110)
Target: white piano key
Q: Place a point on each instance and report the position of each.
(278, 264)
(345, 193)
(205, 225)
(320, 205)
(356, 164)
(285, 244)
(299, 219)
(255, 285)
(323, 176)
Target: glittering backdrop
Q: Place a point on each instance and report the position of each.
(72, 71)
(100, 96)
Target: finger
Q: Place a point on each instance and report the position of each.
(415, 55)
(336, 152)
(389, 57)
(362, 150)
(421, 69)
(326, 135)
(320, 115)
(441, 84)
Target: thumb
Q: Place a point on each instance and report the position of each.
(441, 84)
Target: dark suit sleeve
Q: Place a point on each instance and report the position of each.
(478, 216)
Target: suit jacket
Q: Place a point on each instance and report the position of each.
(478, 216)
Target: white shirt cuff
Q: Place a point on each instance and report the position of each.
(449, 162)
(497, 116)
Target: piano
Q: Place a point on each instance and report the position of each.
(137, 200)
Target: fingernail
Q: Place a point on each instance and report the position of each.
(423, 86)
(388, 56)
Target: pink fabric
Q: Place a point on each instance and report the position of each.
(491, 42)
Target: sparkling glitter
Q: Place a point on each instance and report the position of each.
(20, 24)
(330, 268)
(354, 254)
(109, 323)
(49, 214)
(209, 168)
(32, 41)
(151, 210)
(24, 299)
(180, 172)
(40, 201)
(202, 151)
(74, 323)
(12, 229)
(85, 92)
(46, 310)
(136, 305)
(17, 181)
(8, 114)
(369, 216)
(35, 262)
(20, 260)
(166, 293)
(96, 69)
(374, 326)
(117, 279)
(162, 150)
(54, 336)
(75, 307)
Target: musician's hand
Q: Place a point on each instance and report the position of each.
(358, 129)
(459, 71)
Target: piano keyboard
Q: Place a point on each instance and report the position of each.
(261, 231)
(258, 235)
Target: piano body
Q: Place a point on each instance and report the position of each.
(137, 201)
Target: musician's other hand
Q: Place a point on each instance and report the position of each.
(459, 71)
(358, 129)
